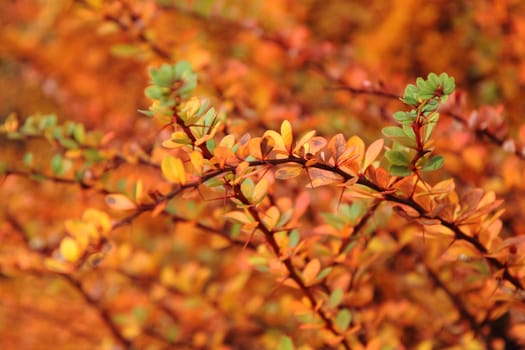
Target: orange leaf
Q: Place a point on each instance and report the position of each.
(357, 142)
(310, 271)
(303, 140)
(372, 152)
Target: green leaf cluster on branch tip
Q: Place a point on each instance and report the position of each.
(412, 145)
(167, 82)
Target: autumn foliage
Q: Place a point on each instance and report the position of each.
(262, 175)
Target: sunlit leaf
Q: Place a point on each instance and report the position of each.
(303, 140)
(69, 249)
(173, 170)
(197, 161)
(260, 191)
(99, 218)
(286, 132)
(138, 191)
(239, 216)
(248, 188)
(310, 271)
(277, 139)
(372, 153)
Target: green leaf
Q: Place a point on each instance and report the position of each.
(140, 314)
(333, 220)
(124, 50)
(247, 188)
(343, 319)
(28, 159)
(431, 106)
(404, 116)
(397, 158)
(286, 343)
(449, 85)
(57, 165)
(162, 76)
(410, 96)
(408, 131)
(421, 83)
(433, 79)
(336, 297)
(324, 272)
(352, 212)
(79, 133)
(68, 143)
(146, 112)
(434, 163)
(48, 121)
(393, 131)
(173, 333)
(294, 238)
(428, 129)
(153, 92)
(399, 170)
(182, 68)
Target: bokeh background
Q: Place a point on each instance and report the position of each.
(261, 62)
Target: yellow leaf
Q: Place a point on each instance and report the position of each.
(69, 249)
(271, 217)
(238, 216)
(173, 170)
(138, 191)
(228, 141)
(260, 191)
(372, 152)
(303, 140)
(310, 271)
(190, 108)
(119, 202)
(286, 132)
(99, 218)
(277, 139)
(82, 231)
(357, 142)
(170, 144)
(197, 161)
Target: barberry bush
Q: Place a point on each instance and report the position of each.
(259, 175)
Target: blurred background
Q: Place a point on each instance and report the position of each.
(259, 61)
